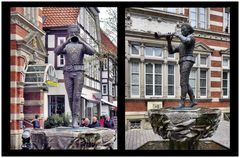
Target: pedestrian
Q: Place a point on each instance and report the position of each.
(109, 123)
(95, 123)
(86, 122)
(82, 122)
(101, 121)
(35, 122)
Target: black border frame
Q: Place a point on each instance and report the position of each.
(233, 151)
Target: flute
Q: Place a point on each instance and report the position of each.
(158, 35)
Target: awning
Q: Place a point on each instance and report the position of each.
(40, 75)
(90, 95)
(109, 103)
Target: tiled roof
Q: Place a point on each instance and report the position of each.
(107, 43)
(56, 16)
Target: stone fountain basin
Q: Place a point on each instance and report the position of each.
(65, 138)
(184, 125)
(164, 145)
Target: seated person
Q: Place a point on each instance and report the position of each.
(95, 123)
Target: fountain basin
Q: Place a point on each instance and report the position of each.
(165, 145)
(186, 126)
(67, 138)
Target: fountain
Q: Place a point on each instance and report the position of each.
(68, 138)
(184, 128)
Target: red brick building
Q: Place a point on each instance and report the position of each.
(26, 48)
(152, 75)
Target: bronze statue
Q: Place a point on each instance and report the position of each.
(73, 50)
(186, 60)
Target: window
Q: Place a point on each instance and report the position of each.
(225, 84)
(56, 104)
(110, 88)
(30, 13)
(60, 58)
(226, 22)
(225, 62)
(153, 51)
(135, 49)
(51, 41)
(153, 79)
(88, 26)
(171, 80)
(171, 55)
(198, 17)
(113, 90)
(135, 79)
(136, 124)
(104, 89)
(192, 16)
(192, 80)
(105, 64)
(203, 60)
(202, 18)
(170, 10)
(203, 83)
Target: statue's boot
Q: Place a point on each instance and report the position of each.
(193, 101)
(181, 103)
(75, 122)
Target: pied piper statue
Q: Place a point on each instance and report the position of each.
(186, 61)
(73, 50)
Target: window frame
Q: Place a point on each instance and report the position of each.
(228, 84)
(197, 18)
(225, 57)
(145, 89)
(31, 14)
(60, 57)
(226, 23)
(131, 84)
(131, 48)
(174, 81)
(154, 52)
(195, 79)
(205, 56)
(106, 86)
(206, 71)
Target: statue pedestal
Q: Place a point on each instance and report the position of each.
(184, 127)
(67, 138)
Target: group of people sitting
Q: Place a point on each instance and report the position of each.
(104, 122)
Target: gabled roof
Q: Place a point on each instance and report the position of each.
(202, 47)
(107, 43)
(60, 16)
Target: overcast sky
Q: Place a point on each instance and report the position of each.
(104, 15)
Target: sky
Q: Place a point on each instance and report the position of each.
(104, 15)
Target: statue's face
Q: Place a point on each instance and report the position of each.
(184, 31)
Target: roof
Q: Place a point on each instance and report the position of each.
(107, 43)
(60, 16)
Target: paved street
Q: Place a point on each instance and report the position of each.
(137, 137)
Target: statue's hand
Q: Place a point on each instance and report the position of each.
(169, 38)
(176, 34)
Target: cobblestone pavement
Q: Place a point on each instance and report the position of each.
(137, 137)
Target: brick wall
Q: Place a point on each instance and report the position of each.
(17, 90)
(33, 104)
(135, 106)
